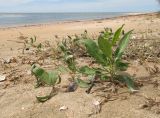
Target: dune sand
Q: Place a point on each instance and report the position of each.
(18, 100)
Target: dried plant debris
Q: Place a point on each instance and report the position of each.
(97, 106)
(8, 60)
(152, 70)
(152, 104)
(144, 49)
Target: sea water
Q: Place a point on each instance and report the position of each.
(20, 19)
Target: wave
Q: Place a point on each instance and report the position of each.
(11, 15)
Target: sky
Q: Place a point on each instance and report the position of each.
(79, 5)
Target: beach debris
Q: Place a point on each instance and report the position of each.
(150, 102)
(133, 91)
(152, 70)
(97, 106)
(63, 108)
(72, 87)
(9, 60)
(13, 60)
(2, 78)
(133, 37)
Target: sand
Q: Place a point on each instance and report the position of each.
(140, 23)
(18, 100)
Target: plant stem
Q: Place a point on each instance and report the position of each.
(112, 69)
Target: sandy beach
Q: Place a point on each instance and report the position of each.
(140, 23)
(17, 96)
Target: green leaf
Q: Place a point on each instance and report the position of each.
(105, 46)
(39, 46)
(86, 70)
(94, 51)
(122, 45)
(121, 65)
(104, 77)
(127, 80)
(43, 99)
(37, 71)
(82, 83)
(117, 35)
(49, 78)
(33, 40)
(47, 97)
(59, 79)
(62, 47)
(69, 59)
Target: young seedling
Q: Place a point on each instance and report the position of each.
(32, 43)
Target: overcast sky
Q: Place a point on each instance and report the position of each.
(79, 5)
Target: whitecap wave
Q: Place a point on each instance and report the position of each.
(11, 15)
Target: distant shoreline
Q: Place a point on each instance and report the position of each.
(141, 23)
(73, 21)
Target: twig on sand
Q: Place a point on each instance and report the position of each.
(16, 41)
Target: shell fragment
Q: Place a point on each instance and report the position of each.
(2, 78)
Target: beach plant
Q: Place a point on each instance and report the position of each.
(72, 45)
(68, 56)
(107, 52)
(32, 43)
(45, 78)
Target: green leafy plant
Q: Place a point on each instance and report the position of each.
(68, 55)
(71, 48)
(32, 43)
(107, 52)
(45, 78)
